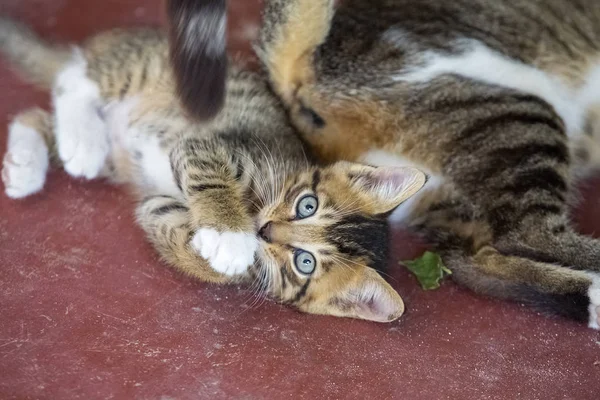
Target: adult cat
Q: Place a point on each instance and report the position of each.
(496, 99)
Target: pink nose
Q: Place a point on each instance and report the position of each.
(265, 232)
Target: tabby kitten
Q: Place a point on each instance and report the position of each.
(212, 196)
(496, 99)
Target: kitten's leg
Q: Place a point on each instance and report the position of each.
(210, 178)
(81, 132)
(30, 145)
(291, 32)
(549, 288)
(166, 223)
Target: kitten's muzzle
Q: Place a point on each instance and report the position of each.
(265, 232)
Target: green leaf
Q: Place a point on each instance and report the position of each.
(429, 270)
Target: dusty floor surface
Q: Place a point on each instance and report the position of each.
(87, 310)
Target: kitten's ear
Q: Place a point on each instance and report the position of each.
(388, 187)
(370, 298)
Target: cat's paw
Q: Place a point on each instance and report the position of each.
(594, 308)
(82, 142)
(230, 253)
(25, 163)
(81, 131)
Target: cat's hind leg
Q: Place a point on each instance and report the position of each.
(549, 288)
(81, 131)
(29, 150)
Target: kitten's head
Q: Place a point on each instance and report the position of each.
(326, 236)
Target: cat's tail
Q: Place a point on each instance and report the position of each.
(198, 42)
(34, 59)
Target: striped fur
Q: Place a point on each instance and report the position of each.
(218, 199)
(497, 100)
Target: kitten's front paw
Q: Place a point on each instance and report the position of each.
(25, 163)
(230, 253)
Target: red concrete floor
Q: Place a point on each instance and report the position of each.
(88, 311)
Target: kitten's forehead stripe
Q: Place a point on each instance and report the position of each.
(291, 195)
(361, 236)
(316, 179)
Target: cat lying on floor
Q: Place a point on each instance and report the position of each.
(236, 199)
(497, 100)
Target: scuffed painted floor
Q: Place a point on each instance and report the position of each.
(88, 311)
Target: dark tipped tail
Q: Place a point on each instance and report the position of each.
(198, 51)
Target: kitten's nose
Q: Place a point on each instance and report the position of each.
(265, 232)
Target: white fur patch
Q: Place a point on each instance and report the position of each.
(480, 63)
(81, 132)
(157, 169)
(230, 253)
(381, 158)
(143, 148)
(25, 163)
(589, 93)
(594, 308)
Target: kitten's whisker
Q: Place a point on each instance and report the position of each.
(260, 185)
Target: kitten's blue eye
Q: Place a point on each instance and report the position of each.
(307, 206)
(305, 262)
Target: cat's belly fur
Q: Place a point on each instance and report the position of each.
(572, 103)
(136, 153)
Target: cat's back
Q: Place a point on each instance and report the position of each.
(389, 34)
(127, 61)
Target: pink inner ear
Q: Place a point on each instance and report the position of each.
(380, 310)
(375, 304)
(393, 176)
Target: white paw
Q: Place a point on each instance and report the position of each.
(81, 131)
(83, 144)
(594, 308)
(230, 253)
(25, 163)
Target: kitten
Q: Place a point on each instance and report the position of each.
(212, 196)
(496, 100)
